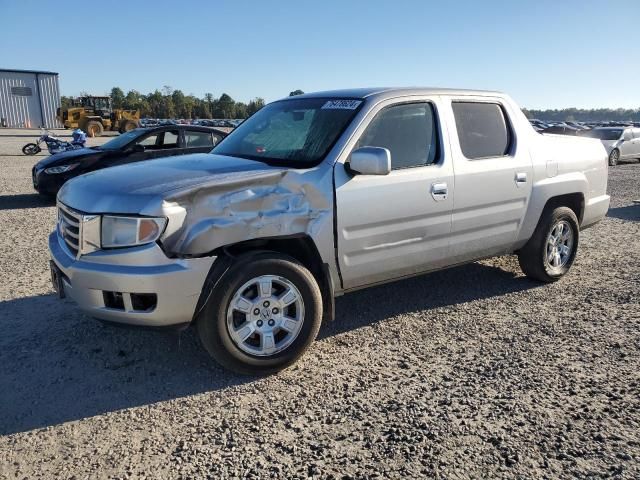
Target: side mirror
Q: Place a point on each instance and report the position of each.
(137, 148)
(627, 135)
(371, 161)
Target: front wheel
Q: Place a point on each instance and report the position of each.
(263, 314)
(31, 149)
(550, 252)
(614, 156)
(94, 129)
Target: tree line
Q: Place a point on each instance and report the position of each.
(585, 115)
(170, 103)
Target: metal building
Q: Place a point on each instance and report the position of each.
(29, 99)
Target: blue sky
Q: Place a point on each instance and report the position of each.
(545, 53)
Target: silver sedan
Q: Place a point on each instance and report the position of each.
(621, 143)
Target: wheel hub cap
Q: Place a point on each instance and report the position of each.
(265, 315)
(559, 245)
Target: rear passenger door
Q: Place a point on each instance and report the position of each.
(197, 141)
(395, 225)
(493, 177)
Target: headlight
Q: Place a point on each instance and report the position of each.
(62, 169)
(130, 231)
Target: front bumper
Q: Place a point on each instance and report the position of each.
(177, 283)
(47, 184)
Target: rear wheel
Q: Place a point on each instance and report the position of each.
(94, 129)
(614, 156)
(31, 149)
(550, 252)
(263, 314)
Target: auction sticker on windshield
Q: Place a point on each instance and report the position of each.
(341, 104)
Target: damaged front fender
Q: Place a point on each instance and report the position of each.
(260, 204)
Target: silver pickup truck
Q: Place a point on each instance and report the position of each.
(314, 196)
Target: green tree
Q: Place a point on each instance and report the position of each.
(225, 107)
(178, 99)
(190, 106)
(155, 100)
(117, 97)
(66, 102)
(255, 105)
(240, 110)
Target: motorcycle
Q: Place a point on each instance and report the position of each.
(54, 144)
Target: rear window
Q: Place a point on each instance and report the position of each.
(482, 129)
(198, 139)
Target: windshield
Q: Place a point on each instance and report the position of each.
(122, 140)
(605, 134)
(296, 133)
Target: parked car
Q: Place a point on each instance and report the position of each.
(561, 130)
(621, 143)
(50, 174)
(315, 196)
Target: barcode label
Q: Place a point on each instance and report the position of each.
(341, 104)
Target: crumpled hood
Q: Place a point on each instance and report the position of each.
(130, 188)
(64, 158)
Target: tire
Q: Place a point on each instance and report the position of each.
(614, 156)
(31, 149)
(219, 315)
(128, 126)
(534, 257)
(94, 129)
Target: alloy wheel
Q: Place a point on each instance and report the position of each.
(559, 245)
(265, 315)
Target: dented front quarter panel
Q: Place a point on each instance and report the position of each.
(235, 207)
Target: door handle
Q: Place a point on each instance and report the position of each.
(439, 191)
(521, 177)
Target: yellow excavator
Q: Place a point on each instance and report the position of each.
(94, 115)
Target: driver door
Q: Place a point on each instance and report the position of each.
(396, 225)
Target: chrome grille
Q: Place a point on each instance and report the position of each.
(69, 225)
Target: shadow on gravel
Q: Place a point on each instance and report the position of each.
(439, 289)
(630, 212)
(58, 365)
(25, 200)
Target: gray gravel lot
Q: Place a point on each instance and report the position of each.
(472, 372)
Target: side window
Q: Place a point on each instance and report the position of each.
(482, 129)
(408, 131)
(150, 142)
(170, 139)
(198, 139)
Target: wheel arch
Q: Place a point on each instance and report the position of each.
(574, 201)
(300, 247)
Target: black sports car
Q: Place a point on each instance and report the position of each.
(134, 146)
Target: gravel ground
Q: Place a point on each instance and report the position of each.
(474, 372)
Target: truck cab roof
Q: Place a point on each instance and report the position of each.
(390, 92)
